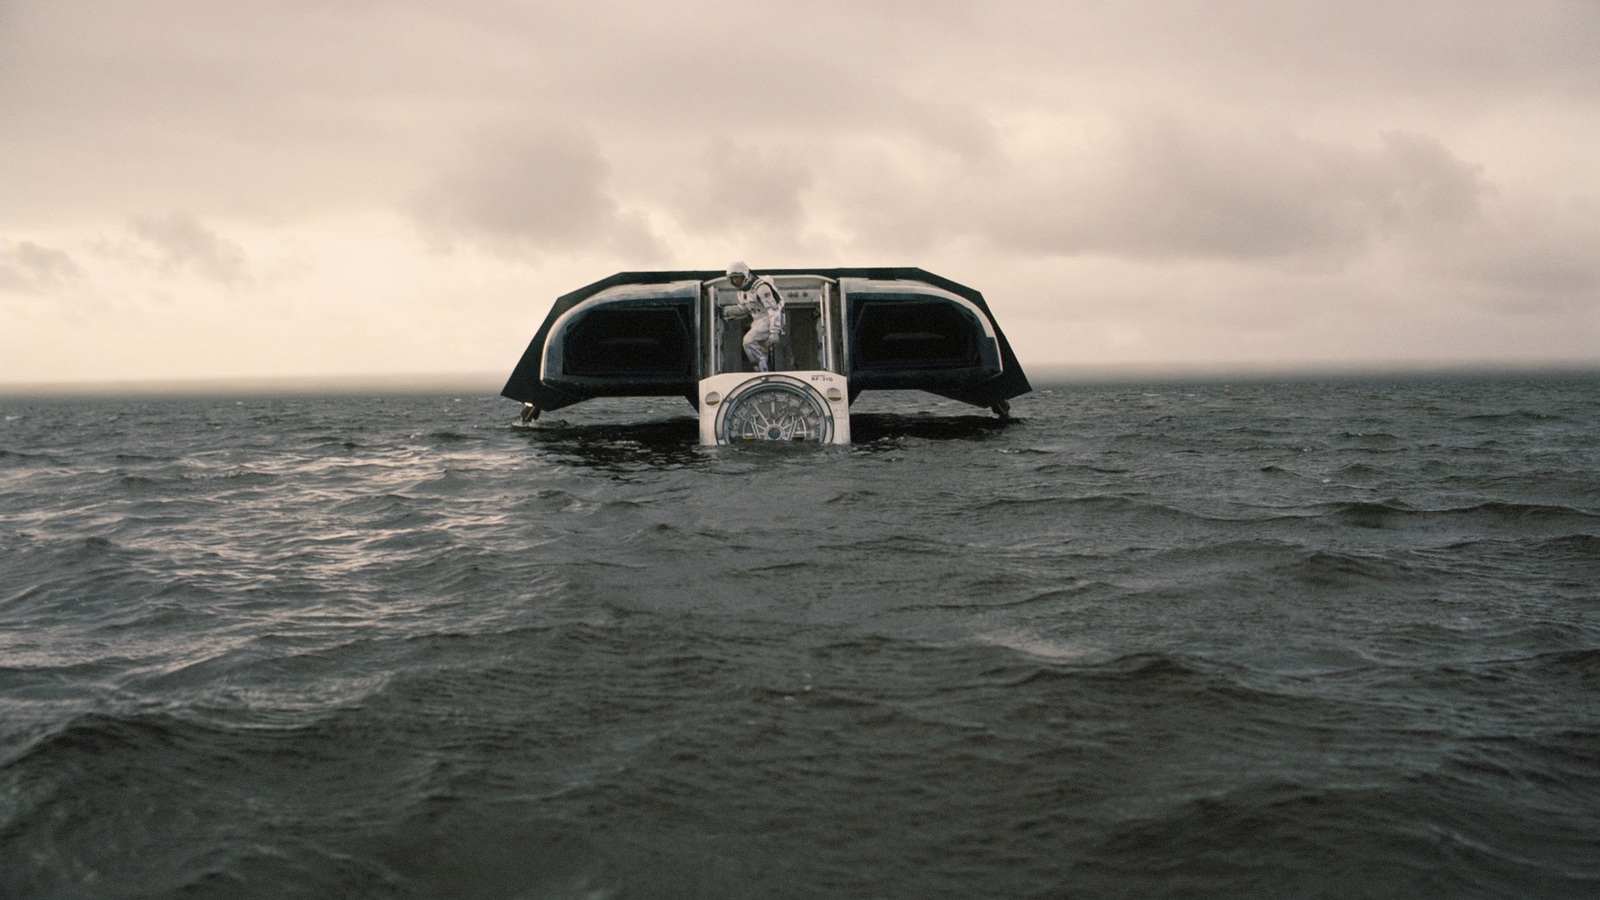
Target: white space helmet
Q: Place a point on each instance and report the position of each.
(739, 274)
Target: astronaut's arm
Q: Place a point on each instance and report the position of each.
(735, 311)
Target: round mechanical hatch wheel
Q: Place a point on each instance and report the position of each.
(775, 408)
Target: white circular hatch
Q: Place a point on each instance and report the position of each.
(774, 408)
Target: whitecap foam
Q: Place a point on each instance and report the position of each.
(1057, 649)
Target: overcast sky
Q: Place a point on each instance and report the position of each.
(198, 189)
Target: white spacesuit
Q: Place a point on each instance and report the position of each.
(759, 298)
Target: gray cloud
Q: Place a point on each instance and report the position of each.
(743, 188)
(1522, 256)
(328, 105)
(28, 268)
(1414, 181)
(1173, 161)
(183, 243)
(535, 192)
(1167, 187)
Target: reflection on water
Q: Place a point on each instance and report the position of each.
(873, 427)
(672, 443)
(667, 444)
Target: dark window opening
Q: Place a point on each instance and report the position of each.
(630, 342)
(911, 333)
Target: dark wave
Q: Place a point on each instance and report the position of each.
(1089, 506)
(1492, 513)
(1361, 470)
(625, 447)
(1071, 468)
(875, 429)
(21, 459)
(1287, 838)
(1513, 417)
(1573, 546)
(1517, 513)
(1371, 443)
(88, 736)
(1329, 569)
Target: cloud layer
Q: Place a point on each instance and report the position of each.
(1156, 183)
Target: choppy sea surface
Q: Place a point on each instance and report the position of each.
(1272, 639)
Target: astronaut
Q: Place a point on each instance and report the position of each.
(759, 299)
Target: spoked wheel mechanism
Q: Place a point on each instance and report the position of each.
(775, 409)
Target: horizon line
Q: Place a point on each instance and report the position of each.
(1040, 374)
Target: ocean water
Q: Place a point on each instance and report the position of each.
(1270, 639)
